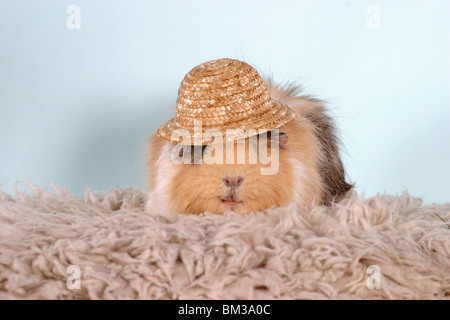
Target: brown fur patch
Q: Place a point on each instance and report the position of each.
(329, 165)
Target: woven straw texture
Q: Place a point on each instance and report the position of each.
(224, 94)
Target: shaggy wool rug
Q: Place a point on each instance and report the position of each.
(103, 246)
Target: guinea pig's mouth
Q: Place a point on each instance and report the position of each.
(231, 201)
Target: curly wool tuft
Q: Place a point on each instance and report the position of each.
(284, 253)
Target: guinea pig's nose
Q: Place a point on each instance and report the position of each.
(233, 181)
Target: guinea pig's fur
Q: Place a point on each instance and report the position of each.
(310, 171)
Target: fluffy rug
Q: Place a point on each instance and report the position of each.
(385, 247)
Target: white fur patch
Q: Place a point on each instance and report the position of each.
(300, 176)
(159, 201)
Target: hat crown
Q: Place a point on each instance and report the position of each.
(221, 92)
(221, 69)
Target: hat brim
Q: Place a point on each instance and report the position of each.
(274, 117)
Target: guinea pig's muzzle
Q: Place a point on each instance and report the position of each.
(232, 185)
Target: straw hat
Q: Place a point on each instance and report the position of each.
(224, 94)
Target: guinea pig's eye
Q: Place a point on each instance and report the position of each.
(193, 149)
(195, 154)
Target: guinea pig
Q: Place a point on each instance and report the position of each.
(309, 170)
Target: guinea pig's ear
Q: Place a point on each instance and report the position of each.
(282, 139)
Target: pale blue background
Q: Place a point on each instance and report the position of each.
(76, 105)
